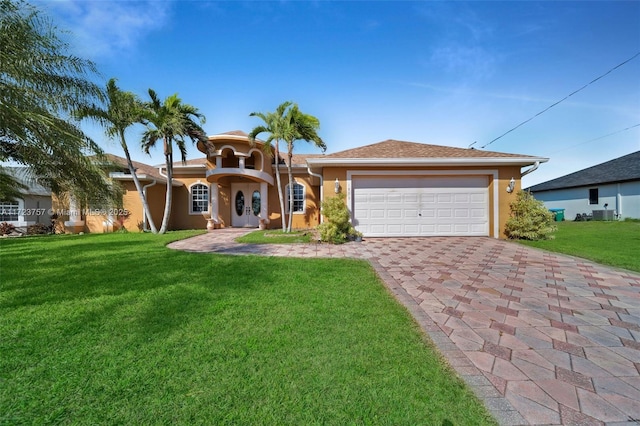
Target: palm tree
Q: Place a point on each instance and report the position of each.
(123, 110)
(300, 127)
(286, 124)
(275, 126)
(170, 121)
(41, 85)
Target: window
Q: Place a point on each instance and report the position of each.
(593, 196)
(199, 198)
(298, 198)
(9, 211)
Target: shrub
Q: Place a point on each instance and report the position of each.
(530, 219)
(6, 228)
(39, 229)
(336, 228)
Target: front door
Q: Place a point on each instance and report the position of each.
(245, 205)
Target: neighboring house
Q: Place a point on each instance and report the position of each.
(392, 188)
(33, 207)
(613, 186)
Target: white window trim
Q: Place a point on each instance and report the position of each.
(20, 222)
(304, 199)
(208, 186)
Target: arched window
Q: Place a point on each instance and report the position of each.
(199, 194)
(298, 198)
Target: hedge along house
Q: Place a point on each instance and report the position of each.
(392, 188)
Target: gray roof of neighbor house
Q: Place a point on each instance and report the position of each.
(24, 176)
(621, 169)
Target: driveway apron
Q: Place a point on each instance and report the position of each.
(541, 338)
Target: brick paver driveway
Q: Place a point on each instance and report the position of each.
(542, 338)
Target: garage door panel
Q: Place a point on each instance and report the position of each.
(398, 206)
(462, 213)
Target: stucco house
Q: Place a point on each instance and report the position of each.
(393, 188)
(612, 186)
(32, 207)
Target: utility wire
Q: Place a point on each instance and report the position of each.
(563, 99)
(598, 138)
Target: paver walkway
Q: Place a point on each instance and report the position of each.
(542, 338)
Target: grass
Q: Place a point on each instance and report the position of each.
(272, 236)
(615, 243)
(118, 329)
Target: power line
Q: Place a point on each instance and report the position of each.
(563, 99)
(598, 138)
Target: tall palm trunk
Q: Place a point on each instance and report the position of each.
(279, 184)
(290, 172)
(167, 203)
(136, 181)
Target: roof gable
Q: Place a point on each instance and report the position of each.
(620, 169)
(402, 149)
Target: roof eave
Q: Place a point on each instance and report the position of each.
(141, 177)
(393, 162)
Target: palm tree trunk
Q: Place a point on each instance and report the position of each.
(290, 172)
(279, 184)
(136, 181)
(167, 202)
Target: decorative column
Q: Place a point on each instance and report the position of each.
(75, 224)
(264, 204)
(213, 207)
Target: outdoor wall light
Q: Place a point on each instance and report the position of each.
(512, 184)
(337, 186)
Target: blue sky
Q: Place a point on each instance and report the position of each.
(445, 73)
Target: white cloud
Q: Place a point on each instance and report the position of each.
(105, 28)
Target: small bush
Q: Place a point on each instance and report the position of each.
(530, 219)
(39, 229)
(336, 228)
(6, 228)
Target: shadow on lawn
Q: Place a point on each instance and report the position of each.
(93, 270)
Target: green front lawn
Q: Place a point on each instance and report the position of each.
(118, 329)
(610, 243)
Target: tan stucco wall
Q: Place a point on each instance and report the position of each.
(181, 218)
(130, 215)
(504, 176)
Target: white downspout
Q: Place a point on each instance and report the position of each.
(144, 215)
(618, 203)
(319, 176)
(532, 169)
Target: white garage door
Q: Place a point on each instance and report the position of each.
(420, 205)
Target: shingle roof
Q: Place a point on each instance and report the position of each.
(401, 149)
(301, 159)
(235, 133)
(141, 168)
(621, 169)
(193, 162)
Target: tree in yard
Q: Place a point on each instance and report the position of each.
(41, 87)
(170, 121)
(123, 110)
(275, 126)
(530, 219)
(302, 127)
(287, 124)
